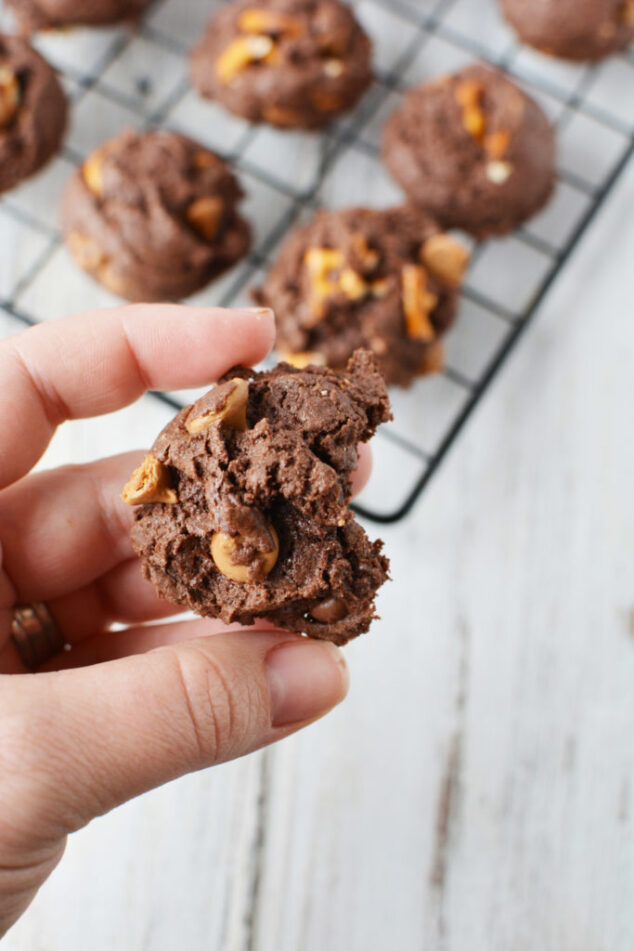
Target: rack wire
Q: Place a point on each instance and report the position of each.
(117, 78)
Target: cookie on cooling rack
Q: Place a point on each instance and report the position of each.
(291, 63)
(473, 150)
(46, 14)
(154, 216)
(33, 111)
(244, 501)
(573, 29)
(385, 280)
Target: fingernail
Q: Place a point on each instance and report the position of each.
(306, 679)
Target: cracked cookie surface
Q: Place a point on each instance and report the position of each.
(291, 63)
(243, 501)
(473, 150)
(33, 111)
(384, 280)
(154, 216)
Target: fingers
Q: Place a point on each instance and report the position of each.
(121, 596)
(99, 361)
(363, 470)
(74, 744)
(63, 528)
(113, 645)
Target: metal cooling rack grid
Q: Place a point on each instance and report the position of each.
(139, 80)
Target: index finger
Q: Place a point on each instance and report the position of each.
(99, 361)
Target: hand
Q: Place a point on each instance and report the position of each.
(124, 711)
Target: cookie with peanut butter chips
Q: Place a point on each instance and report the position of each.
(33, 111)
(292, 63)
(573, 29)
(473, 150)
(154, 216)
(243, 501)
(384, 280)
(47, 14)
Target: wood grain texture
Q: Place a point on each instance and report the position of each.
(476, 791)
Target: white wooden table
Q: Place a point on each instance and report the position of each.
(476, 790)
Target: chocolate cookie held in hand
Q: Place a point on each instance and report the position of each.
(384, 280)
(243, 501)
(292, 63)
(33, 111)
(46, 14)
(473, 150)
(153, 216)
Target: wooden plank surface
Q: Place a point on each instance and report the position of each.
(475, 792)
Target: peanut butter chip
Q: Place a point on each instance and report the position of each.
(111, 280)
(445, 258)
(379, 288)
(329, 610)
(329, 275)
(304, 358)
(352, 284)
(9, 96)
(241, 53)
(468, 95)
(149, 483)
(496, 144)
(222, 551)
(85, 250)
(321, 264)
(474, 122)
(433, 358)
(231, 413)
(93, 172)
(204, 215)
(275, 22)
(418, 303)
(89, 257)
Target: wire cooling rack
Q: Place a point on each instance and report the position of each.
(117, 78)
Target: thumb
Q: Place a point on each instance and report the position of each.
(85, 740)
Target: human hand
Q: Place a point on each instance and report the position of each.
(121, 711)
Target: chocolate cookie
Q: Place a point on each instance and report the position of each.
(573, 29)
(44, 14)
(473, 150)
(244, 501)
(292, 63)
(385, 280)
(33, 111)
(153, 216)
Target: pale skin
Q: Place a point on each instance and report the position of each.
(121, 712)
